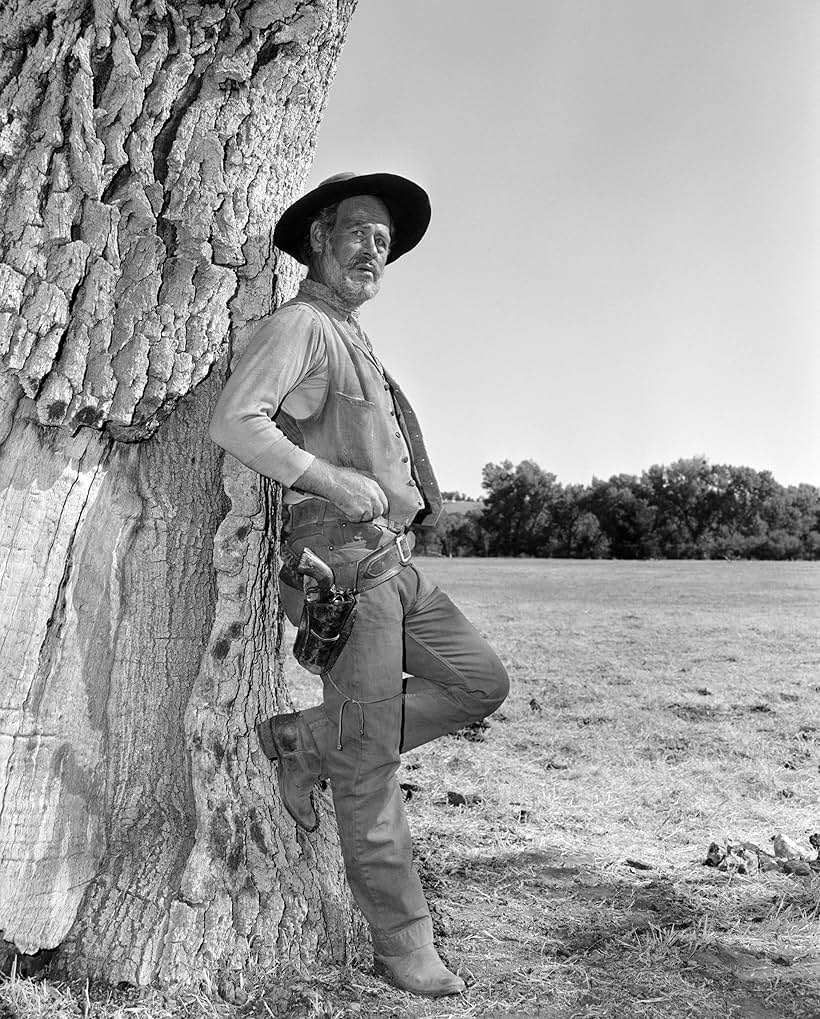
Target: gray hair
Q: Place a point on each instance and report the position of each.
(326, 219)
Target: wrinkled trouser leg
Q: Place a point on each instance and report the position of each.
(405, 624)
(455, 676)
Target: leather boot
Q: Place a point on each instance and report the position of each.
(419, 972)
(288, 741)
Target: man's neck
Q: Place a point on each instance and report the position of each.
(330, 296)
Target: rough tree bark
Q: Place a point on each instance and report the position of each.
(146, 150)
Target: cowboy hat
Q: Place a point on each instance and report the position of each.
(408, 204)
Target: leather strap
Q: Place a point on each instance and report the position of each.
(393, 553)
(316, 511)
(384, 563)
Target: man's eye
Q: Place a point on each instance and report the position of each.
(381, 243)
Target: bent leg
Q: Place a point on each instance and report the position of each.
(456, 677)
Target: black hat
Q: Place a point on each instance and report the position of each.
(408, 204)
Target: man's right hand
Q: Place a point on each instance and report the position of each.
(358, 497)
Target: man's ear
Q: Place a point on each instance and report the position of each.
(317, 237)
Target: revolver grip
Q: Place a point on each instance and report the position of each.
(310, 565)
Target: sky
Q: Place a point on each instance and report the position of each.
(623, 263)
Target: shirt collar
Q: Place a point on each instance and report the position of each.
(318, 291)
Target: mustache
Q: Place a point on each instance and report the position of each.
(362, 261)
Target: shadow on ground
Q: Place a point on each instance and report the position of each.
(548, 924)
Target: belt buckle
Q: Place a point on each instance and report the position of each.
(403, 548)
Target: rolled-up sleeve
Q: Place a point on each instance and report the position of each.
(286, 350)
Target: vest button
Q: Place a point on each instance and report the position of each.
(411, 482)
(398, 435)
(405, 459)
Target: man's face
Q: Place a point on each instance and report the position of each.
(352, 256)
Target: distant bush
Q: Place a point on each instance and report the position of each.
(689, 509)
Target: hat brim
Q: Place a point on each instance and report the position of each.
(408, 204)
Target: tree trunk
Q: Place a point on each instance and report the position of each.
(147, 148)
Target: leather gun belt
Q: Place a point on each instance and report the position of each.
(362, 555)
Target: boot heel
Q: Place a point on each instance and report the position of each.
(264, 733)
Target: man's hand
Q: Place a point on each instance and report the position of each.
(358, 497)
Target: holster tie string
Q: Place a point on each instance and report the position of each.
(360, 705)
(341, 719)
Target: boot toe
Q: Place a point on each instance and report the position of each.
(420, 971)
(297, 797)
(287, 741)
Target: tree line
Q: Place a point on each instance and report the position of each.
(690, 509)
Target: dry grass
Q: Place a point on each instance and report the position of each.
(655, 707)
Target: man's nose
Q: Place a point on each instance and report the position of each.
(369, 244)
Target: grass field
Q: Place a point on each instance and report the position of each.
(656, 707)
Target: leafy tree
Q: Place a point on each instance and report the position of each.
(688, 497)
(462, 534)
(804, 502)
(625, 515)
(575, 531)
(791, 517)
(688, 509)
(742, 521)
(518, 515)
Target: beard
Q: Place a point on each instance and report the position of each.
(352, 290)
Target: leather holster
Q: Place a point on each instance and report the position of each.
(323, 632)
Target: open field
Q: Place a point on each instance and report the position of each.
(656, 707)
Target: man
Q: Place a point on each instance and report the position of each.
(310, 405)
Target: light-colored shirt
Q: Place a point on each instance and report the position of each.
(283, 368)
